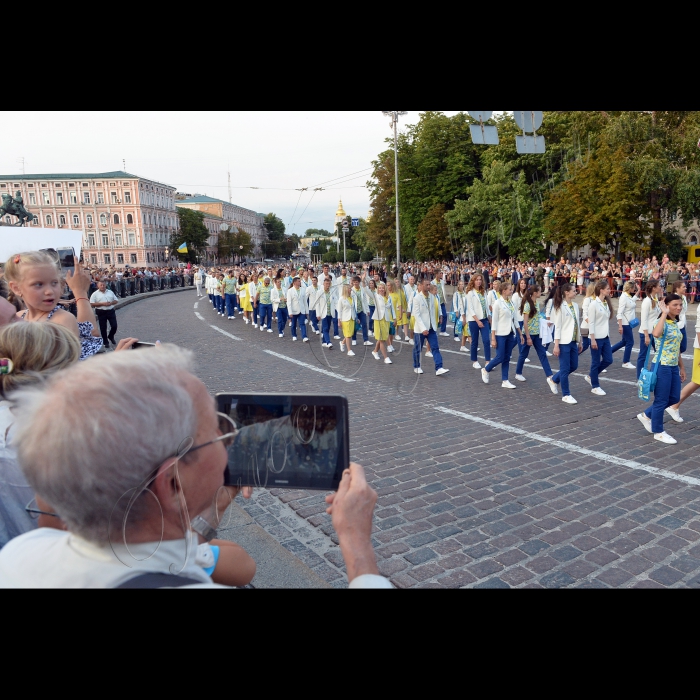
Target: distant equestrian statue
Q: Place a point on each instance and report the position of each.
(15, 206)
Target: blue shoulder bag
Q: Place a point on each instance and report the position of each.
(647, 378)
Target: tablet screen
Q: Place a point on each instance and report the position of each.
(286, 440)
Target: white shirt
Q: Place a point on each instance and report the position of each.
(99, 297)
(599, 319)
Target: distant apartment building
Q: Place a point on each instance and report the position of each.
(231, 214)
(127, 219)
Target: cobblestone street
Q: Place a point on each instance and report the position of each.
(478, 486)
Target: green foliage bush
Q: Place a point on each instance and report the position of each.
(353, 256)
(330, 257)
(366, 256)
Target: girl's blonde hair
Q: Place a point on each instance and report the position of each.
(34, 350)
(17, 264)
(345, 291)
(590, 290)
(629, 287)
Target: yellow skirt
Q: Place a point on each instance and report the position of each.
(465, 331)
(403, 320)
(381, 330)
(246, 305)
(348, 328)
(696, 366)
(412, 322)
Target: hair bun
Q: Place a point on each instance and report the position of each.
(6, 365)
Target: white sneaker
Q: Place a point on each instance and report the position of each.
(411, 342)
(604, 371)
(418, 370)
(456, 339)
(645, 421)
(269, 330)
(294, 338)
(549, 354)
(485, 376)
(665, 437)
(390, 348)
(376, 355)
(520, 378)
(354, 342)
(629, 365)
(305, 340)
(507, 385)
(442, 370)
(406, 339)
(370, 334)
(588, 379)
(342, 347)
(230, 317)
(598, 391)
(281, 335)
(476, 365)
(246, 321)
(527, 359)
(387, 361)
(428, 354)
(262, 328)
(445, 334)
(464, 348)
(255, 325)
(351, 353)
(336, 337)
(553, 386)
(569, 399)
(368, 342)
(675, 414)
(317, 332)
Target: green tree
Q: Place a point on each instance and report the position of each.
(276, 245)
(234, 243)
(432, 236)
(192, 231)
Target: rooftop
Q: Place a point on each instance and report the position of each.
(116, 174)
(205, 199)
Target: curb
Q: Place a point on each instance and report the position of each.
(148, 295)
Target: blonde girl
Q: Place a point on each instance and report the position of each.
(459, 306)
(395, 298)
(384, 315)
(402, 316)
(244, 298)
(345, 315)
(478, 317)
(590, 296)
(35, 279)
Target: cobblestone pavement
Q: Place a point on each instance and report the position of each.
(478, 486)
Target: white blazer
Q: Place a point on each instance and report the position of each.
(503, 321)
(320, 305)
(459, 304)
(311, 296)
(627, 309)
(564, 323)
(683, 319)
(491, 299)
(296, 303)
(275, 296)
(474, 309)
(586, 305)
(410, 293)
(598, 320)
(424, 313)
(517, 299)
(649, 317)
(345, 309)
(384, 309)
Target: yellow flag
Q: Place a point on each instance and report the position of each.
(182, 248)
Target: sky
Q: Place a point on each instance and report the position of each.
(278, 152)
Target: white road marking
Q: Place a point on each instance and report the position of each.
(233, 337)
(199, 316)
(196, 304)
(308, 366)
(569, 447)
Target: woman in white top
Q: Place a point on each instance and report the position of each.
(647, 323)
(680, 289)
(567, 337)
(346, 318)
(549, 316)
(626, 311)
(478, 318)
(492, 295)
(590, 296)
(517, 300)
(384, 317)
(504, 334)
(599, 314)
(459, 306)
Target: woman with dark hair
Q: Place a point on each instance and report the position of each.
(649, 317)
(504, 335)
(599, 314)
(670, 372)
(477, 315)
(567, 337)
(626, 312)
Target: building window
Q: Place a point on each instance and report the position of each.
(693, 239)
(118, 239)
(116, 218)
(105, 240)
(35, 221)
(8, 218)
(91, 240)
(76, 220)
(93, 259)
(32, 185)
(88, 219)
(103, 219)
(70, 184)
(100, 197)
(113, 195)
(112, 184)
(129, 219)
(108, 260)
(127, 197)
(49, 220)
(86, 198)
(133, 258)
(73, 197)
(132, 238)
(45, 197)
(120, 258)
(85, 184)
(59, 197)
(32, 198)
(61, 220)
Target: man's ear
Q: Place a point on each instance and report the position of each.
(166, 485)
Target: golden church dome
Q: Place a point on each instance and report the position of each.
(341, 211)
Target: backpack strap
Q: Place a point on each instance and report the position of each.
(157, 580)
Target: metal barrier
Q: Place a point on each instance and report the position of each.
(131, 286)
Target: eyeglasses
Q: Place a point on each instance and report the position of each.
(228, 431)
(34, 512)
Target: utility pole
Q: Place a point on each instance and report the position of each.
(394, 122)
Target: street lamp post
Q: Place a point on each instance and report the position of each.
(394, 122)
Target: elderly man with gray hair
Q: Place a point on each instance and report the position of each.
(128, 450)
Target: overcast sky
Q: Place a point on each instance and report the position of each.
(193, 151)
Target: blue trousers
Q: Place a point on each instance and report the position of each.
(230, 304)
(541, 353)
(568, 363)
(256, 310)
(485, 334)
(266, 315)
(643, 349)
(684, 340)
(219, 303)
(298, 318)
(211, 298)
(314, 319)
(504, 349)
(326, 322)
(443, 324)
(520, 345)
(627, 342)
(666, 393)
(371, 318)
(434, 348)
(282, 316)
(362, 318)
(586, 343)
(600, 359)
(335, 323)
